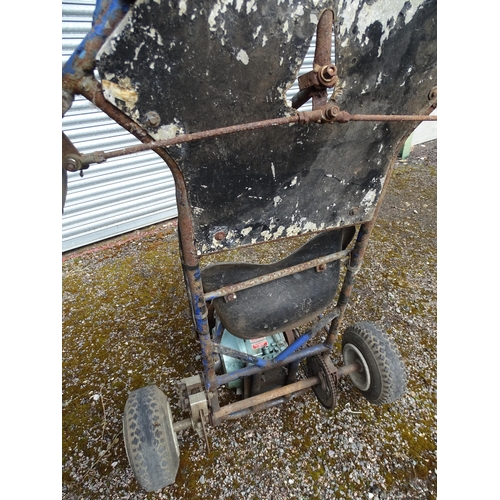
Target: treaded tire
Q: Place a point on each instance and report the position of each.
(150, 440)
(383, 379)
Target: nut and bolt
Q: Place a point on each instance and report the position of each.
(327, 75)
(152, 118)
(230, 297)
(72, 164)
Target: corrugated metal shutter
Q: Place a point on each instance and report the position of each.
(119, 195)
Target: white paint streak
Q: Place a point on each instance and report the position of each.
(369, 198)
(383, 12)
(182, 7)
(273, 170)
(137, 50)
(168, 131)
(251, 6)
(243, 57)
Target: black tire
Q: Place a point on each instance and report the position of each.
(382, 379)
(150, 440)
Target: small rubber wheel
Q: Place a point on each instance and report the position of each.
(150, 440)
(323, 368)
(382, 377)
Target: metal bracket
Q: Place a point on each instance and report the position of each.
(319, 78)
(193, 398)
(186, 387)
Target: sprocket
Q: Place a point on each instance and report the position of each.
(323, 367)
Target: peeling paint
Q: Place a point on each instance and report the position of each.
(363, 18)
(168, 131)
(369, 199)
(182, 7)
(122, 90)
(137, 50)
(251, 6)
(243, 57)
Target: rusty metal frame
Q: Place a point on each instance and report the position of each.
(78, 79)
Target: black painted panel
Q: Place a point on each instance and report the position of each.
(206, 64)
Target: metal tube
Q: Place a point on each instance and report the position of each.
(107, 15)
(347, 369)
(242, 356)
(251, 370)
(92, 90)
(356, 259)
(266, 396)
(304, 117)
(304, 338)
(392, 118)
(227, 290)
(182, 425)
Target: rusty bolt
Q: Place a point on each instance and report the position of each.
(72, 164)
(433, 94)
(354, 211)
(152, 118)
(230, 297)
(220, 235)
(328, 72)
(330, 112)
(327, 75)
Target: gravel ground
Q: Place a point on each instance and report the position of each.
(126, 325)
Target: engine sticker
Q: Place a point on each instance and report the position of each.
(259, 343)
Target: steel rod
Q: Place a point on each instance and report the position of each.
(347, 369)
(252, 370)
(266, 396)
(230, 289)
(301, 117)
(182, 425)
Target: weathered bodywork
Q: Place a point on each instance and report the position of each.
(184, 67)
(204, 84)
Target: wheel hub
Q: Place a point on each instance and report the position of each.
(361, 378)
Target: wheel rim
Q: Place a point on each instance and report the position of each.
(361, 379)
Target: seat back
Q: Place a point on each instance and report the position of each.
(200, 65)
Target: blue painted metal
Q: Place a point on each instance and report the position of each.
(304, 338)
(252, 370)
(297, 344)
(242, 356)
(106, 16)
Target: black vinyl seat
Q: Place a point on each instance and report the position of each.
(286, 302)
